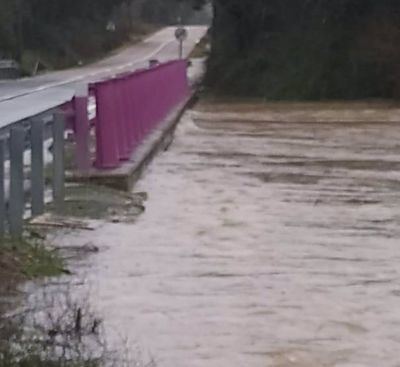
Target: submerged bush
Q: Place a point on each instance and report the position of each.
(56, 330)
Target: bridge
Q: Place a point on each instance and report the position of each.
(117, 102)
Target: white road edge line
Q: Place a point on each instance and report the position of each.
(81, 77)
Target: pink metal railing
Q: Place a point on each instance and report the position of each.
(130, 106)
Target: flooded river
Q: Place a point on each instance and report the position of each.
(264, 243)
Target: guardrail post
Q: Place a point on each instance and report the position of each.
(16, 198)
(82, 128)
(2, 194)
(58, 160)
(37, 167)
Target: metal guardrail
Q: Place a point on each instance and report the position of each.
(12, 149)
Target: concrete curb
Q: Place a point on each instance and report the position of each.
(124, 177)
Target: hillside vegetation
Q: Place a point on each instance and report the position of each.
(61, 33)
(306, 49)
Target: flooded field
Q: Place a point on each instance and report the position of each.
(264, 243)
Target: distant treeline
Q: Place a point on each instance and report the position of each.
(306, 49)
(64, 32)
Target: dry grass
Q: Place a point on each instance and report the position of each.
(201, 49)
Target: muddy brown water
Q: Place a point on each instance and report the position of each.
(263, 244)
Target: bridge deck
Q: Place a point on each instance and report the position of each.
(24, 97)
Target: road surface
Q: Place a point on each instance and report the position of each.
(26, 97)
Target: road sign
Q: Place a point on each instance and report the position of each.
(181, 34)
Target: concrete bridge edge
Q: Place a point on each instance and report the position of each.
(124, 177)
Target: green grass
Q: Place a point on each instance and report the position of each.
(38, 361)
(28, 258)
(37, 261)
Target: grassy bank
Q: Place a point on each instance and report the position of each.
(53, 329)
(49, 324)
(20, 261)
(27, 259)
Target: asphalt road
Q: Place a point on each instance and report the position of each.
(26, 97)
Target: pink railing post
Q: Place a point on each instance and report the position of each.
(139, 105)
(132, 105)
(125, 92)
(107, 154)
(121, 119)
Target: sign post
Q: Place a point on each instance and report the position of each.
(181, 34)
